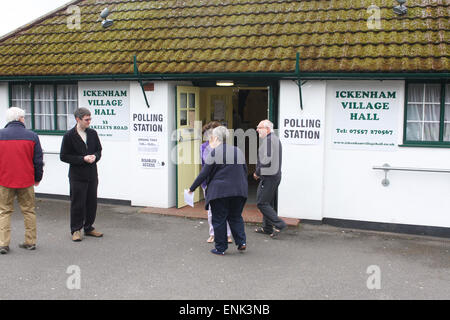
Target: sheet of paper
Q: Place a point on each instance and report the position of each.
(219, 110)
(189, 198)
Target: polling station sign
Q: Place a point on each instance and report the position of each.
(148, 132)
(301, 130)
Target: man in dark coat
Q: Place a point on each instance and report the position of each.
(81, 148)
(268, 172)
(21, 169)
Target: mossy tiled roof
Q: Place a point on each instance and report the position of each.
(210, 36)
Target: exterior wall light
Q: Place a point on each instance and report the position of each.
(224, 83)
(400, 9)
(106, 22)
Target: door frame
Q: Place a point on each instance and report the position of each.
(177, 134)
(273, 89)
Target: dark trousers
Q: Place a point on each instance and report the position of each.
(83, 205)
(265, 200)
(229, 210)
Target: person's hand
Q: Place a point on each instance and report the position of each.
(214, 142)
(255, 176)
(36, 183)
(90, 158)
(190, 192)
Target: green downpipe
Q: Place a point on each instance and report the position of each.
(299, 80)
(136, 73)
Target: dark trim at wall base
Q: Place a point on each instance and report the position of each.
(389, 227)
(99, 200)
(313, 222)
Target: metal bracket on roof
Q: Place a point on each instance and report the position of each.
(299, 81)
(136, 72)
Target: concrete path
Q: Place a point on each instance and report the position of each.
(151, 256)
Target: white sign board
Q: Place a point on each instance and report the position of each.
(365, 117)
(304, 129)
(149, 130)
(109, 103)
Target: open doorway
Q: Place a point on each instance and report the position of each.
(251, 107)
(234, 107)
(237, 108)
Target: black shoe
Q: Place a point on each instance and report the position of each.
(4, 250)
(261, 230)
(242, 247)
(27, 246)
(276, 232)
(215, 251)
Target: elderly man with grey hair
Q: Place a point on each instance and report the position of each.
(21, 169)
(268, 172)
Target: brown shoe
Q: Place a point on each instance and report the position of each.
(76, 236)
(27, 246)
(93, 233)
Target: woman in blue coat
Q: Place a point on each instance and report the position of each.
(205, 149)
(225, 174)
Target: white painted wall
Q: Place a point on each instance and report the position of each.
(353, 190)
(55, 179)
(119, 175)
(320, 181)
(154, 187)
(4, 103)
(301, 188)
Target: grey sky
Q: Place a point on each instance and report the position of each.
(16, 13)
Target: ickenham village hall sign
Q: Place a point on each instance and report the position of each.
(109, 104)
(365, 118)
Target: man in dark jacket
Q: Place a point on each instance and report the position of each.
(21, 168)
(225, 174)
(268, 171)
(81, 148)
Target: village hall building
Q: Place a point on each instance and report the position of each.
(358, 91)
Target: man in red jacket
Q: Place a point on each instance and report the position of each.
(21, 169)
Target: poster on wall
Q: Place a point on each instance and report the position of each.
(109, 103)
(219, 110)
(365, 117)
(148, 133)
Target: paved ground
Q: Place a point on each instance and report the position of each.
(148, 256)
